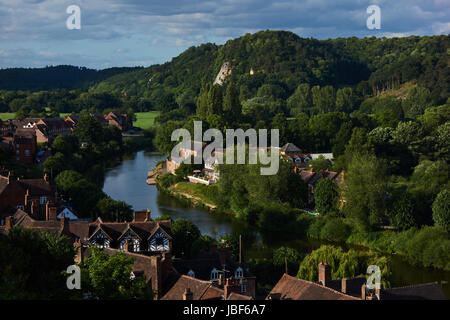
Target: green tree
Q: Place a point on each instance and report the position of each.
(113, 210)
(289, 256)
(184, 233)
(344, 264)
(402, 213)
(320, 163)
(89, 130)
(66, 144)
(300, 100)
(345, 100)
(326, 196)
(231, 104)
(109, 277)
(32, 264)
(441, 210)
(365, 190)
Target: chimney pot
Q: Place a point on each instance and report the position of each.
(344, 285)
(363, 292)
(188, 295)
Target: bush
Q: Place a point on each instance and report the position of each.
(335, 229)
(167, 180)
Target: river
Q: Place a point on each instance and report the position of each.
(127, 182)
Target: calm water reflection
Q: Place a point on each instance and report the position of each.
(127, 182)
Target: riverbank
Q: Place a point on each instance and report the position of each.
(410, 245)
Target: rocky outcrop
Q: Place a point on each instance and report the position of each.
(224, 72)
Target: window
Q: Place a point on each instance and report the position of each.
(306, 159)
(27, 152)
(298, 160)
(239, 273)
(214, 274)
(191, 273)
(243, 288)
(42, 200)
(136, 245)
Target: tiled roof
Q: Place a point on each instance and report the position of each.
(427, 291)
(197, 287)
(291, 288)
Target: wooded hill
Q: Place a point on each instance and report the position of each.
(284, 59)
(54, 77)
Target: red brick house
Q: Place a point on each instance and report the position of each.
(24, 145)
(25, 194)
(121, 121)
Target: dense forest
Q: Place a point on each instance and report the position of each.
(54, 77)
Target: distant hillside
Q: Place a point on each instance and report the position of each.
(285, 59)
(54, 77)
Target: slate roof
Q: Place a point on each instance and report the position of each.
(291, 288)
(290, 147)
(426, 291)
(115, 230)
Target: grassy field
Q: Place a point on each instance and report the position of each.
(7, 115)
(145, 120)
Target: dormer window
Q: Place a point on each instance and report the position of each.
(239, 273)
(307, 159)
(214, 274)
(298, 160)
(191, 273)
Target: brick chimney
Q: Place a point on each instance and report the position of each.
(142, 216)
(324, 274)
(34, 209)
(363, 292)
(50, 211)
(64, 221)
(11, 177)
(220, 281)
(8, 223)
(78, 247)
(156, 275)
(188, 295)
(229, 287)
(27, 196)
(344, 285)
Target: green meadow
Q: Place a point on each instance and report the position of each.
(144, 120)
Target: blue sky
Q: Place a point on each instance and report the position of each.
(33, 33)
